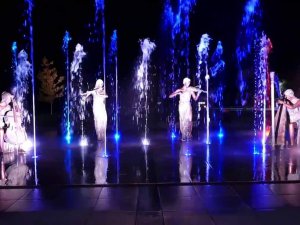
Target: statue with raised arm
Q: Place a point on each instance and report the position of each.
(185, 108)
(99, 110)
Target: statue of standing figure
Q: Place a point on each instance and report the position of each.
(185, 108)
(99, 110)
(12, 132)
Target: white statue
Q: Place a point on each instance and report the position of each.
(185, 109)
(99, 110)
(12, 133)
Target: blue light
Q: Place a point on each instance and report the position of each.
(68, 138)
(173, 135)
(14, 46)
(255, 151)
(117, 136)
(221, 133)
(188, 154)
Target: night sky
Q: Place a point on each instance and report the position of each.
(136, 20)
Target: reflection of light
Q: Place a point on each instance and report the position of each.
(145, 141)
(265, 135)
(173, 135)
(117, 136)
(207, 163)
(268, 130)
(264, 162)
(83, 142)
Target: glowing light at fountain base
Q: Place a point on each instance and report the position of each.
(117, 136)
(68, 138)
(188, 154)
(221, 133)
(83, 141)
(145, 142)
(27, 146)
(173, 135)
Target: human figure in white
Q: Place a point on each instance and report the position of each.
(99, 110)
(185, 109)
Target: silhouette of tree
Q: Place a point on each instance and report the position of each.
(51, 84)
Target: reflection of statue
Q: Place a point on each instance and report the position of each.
(101, 164)
(185, 108)
(293, 166)
(99, 110)
(185, 162)
(17, 173)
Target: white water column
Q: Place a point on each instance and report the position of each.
(207, 109)
(272, 75)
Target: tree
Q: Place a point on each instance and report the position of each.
(51, 84)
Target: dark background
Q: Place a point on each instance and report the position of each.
(135, 20)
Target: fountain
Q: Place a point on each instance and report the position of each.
(202, 49)
(99, 9)
(114, 85)
(76, 103)
(249, 32)
(262, 84)
(66, 118)
(217, 85)
(142, 87)
(177, 26)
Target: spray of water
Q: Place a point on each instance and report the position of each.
(262, 83)
(142, 87)
(202, 49)
(218, 63)
(76, 104)
(249, 32)
(99, 13)
(28, 35)
(22, 75)
(203, 77)
(66, 119)
(217, 84)
(113, 80)
(176, 23)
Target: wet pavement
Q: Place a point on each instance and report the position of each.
(232, 158)
(232, 180)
